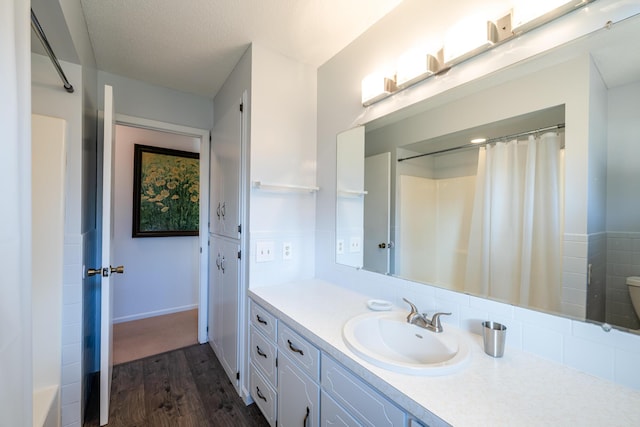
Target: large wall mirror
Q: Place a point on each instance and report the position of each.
(544, 214)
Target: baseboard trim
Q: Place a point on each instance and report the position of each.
(154, 313)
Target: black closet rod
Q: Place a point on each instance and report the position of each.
(35, 25)
(488, 141)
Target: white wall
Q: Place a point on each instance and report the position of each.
(161, 272)
(15, 217)
(576, 344)
(623, 202)
(147, 101)
(283, 149)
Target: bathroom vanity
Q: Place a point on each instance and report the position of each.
(298, 356)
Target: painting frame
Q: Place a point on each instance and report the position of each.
(166, 192)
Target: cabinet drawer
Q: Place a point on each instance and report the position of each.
(263, 355)
(357, 397)
(332, 414)
(264, 395)
(301, 351)
(263, 321)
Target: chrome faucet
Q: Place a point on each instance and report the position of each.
(418, 319)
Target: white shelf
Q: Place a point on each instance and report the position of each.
(352, 193)
(283, 187)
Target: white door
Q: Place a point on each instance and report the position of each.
(377, 183)
(107, 271)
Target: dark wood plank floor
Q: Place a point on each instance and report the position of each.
(184, 387)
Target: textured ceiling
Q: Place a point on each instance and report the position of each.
(193, 45)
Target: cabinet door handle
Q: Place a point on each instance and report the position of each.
(260, 395)
(294, 349)
(224, 209)
(260, 352)
(306, 417)
(222, 264)
(218, 210)
(260, 319)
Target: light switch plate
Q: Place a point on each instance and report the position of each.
(354, 244)
(265, 251)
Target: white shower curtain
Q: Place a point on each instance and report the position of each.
(515, 241)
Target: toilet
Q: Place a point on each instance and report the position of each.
(634, 290)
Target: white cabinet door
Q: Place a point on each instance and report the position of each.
(334, 415)
(226, 150)
(214, 324)
(224, 289)
(298, 396)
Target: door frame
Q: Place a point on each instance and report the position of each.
(203, 235)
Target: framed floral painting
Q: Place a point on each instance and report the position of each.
(166, 192)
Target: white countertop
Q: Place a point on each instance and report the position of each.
(518, 389)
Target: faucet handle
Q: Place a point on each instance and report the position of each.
(435, 321)
(414, 310)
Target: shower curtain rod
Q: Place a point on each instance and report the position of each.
(35, 25)
(488, 141)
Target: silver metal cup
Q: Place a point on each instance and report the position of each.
(494, 335)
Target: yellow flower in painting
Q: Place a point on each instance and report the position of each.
(159, 204)
(175, 197)
(151, 192)
(172, 185)
(160, 182)
(166, 208)
(194, 198)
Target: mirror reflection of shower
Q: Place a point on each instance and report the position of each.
(486, 220)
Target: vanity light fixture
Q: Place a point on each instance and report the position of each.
(468, 38)
(528, 14)
(415, 66)
(465, 40)
(376, 87)
(478, 140)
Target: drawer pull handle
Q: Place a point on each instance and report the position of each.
(306, 417)
(260, 319)
(294, 349)
(260, 395)
(260, 352)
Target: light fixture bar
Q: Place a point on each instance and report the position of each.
(528, 15)
(465, 40)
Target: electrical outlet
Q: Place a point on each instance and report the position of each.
(265, 251)
(340, 246)
(354, 244)
(287, 251)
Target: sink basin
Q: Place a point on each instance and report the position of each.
(386, 340)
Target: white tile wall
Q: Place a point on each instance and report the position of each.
(574, 275)
(71, 331)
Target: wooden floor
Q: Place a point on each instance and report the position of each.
(184, 387)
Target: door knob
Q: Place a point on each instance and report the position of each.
(385, 245)
(119, 269)
(94, 271)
